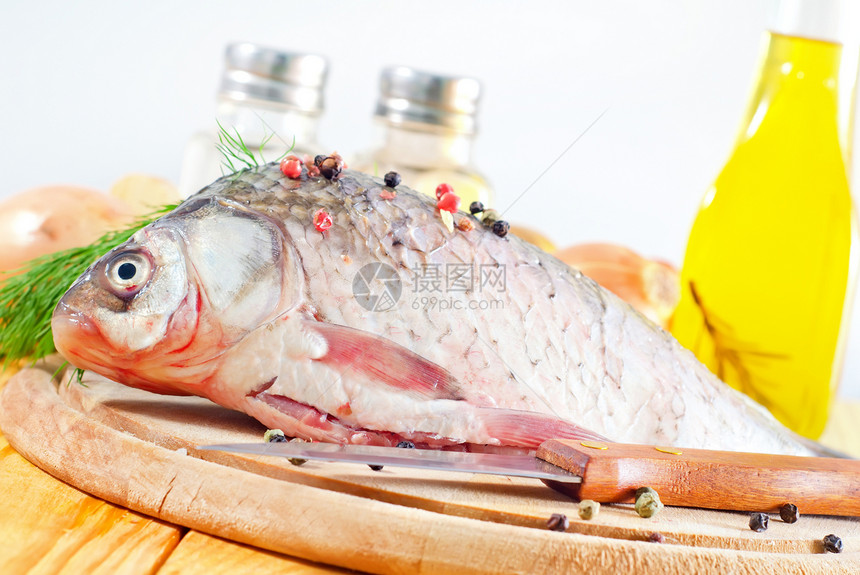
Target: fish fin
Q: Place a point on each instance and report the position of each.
(384, 361)
(529, 428)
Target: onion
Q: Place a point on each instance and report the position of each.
(49, 219)
(144, 194)
(650, 286)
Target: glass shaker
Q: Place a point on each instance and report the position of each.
(425, 131)
(264, 92)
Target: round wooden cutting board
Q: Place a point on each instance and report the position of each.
(137, 450)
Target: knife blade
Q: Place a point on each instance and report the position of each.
(612, 472)
(488, 463)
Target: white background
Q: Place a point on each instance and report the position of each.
(93, 90)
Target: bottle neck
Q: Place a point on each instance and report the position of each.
(798, 73)
(793, 62)
(418, 147)
(257, 121)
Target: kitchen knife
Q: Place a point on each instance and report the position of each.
(612, 472)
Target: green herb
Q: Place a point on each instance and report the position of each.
(233, 147)
(27, 300)
(77, 374)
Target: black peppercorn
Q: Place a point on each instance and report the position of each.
(501, 228)
(789, 513)
(758, 522)
(557, 522)
(832, 544)
(376, 467)
(392, 179)
(476, 208)
(330, 170)
(406, 445)
(330, 166)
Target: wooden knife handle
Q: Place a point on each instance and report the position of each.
(612, 472)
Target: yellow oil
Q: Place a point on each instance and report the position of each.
(767, 267)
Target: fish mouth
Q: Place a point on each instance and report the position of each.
(74, 334)
(79, 340)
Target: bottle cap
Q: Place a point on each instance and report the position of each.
(412, 96)
(257, 73)
(827, 20)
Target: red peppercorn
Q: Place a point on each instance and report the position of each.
(322, 220)
(443, 189)
(449, 202)
(291, 167)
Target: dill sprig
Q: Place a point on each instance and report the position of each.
(233, 147)
(27, 300)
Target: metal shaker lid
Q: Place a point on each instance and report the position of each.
(413, 96)
(257, 73)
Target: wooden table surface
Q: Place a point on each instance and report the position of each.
(47, 526)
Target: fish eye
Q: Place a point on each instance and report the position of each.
(128, 272)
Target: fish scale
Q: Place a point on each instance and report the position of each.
(561, 356)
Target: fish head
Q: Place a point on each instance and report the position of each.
(157, 311)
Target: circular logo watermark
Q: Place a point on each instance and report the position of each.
(377, 287)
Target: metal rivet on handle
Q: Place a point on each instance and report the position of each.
(669, 450)
(593, 445)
